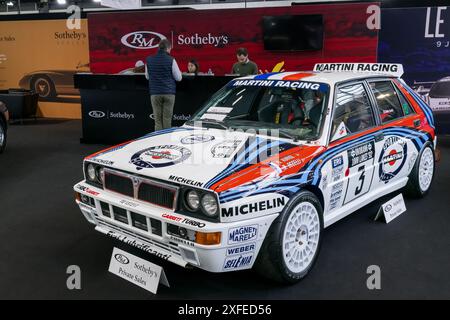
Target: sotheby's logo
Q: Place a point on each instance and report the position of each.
(142, 39)
(96, 114)
(121, 258)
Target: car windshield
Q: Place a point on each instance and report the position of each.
(295, 109)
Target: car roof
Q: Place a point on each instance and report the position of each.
(330, 78)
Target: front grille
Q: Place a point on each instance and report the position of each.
(119, 184)
(139, 221)
(120, 214)
(156, 227)
(105, 209)
(156, 194)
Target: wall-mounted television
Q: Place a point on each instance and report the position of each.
(293, 32)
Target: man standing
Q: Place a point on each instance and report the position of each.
(162, 71)
(244, 66)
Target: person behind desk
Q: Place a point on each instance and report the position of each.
(244, 67)
(193, 67)
(162, 71)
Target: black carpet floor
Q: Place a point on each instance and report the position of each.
(42, 232)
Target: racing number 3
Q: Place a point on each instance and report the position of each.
(361, 178)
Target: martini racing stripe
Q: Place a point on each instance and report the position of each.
(248, 156)
(293, 183)
(425, 108)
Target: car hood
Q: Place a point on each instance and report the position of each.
(197, 157)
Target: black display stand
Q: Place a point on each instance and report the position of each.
(117, 108)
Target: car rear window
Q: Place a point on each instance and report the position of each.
(389, 106)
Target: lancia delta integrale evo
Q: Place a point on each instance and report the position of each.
(262, 168)
(4, 117)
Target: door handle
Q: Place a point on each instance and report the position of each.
(379, 137)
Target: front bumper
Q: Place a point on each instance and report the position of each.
(229, 255)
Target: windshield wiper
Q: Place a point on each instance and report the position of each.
(210, 121)
(284, 134)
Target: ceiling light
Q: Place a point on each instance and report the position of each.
(97, 0)
(10, 4)
(61, 1)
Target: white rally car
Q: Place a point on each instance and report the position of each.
(263, 167)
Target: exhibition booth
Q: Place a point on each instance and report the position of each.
(199, 211)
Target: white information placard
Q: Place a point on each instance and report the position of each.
(138, 271)
(392, 209)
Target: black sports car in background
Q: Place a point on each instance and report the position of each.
(52, 83)
(4, 117)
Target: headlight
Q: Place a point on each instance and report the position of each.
(91, 172)
(209, 205)
(100, 173)
(193, 200)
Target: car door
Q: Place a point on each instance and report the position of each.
(353, 144)
(399, 125)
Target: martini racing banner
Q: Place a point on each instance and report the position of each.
(118, 40)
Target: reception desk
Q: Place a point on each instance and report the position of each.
(117, 108)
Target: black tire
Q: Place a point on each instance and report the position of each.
(413, 188)
(270, 262)
(3, 135)
(44, 86)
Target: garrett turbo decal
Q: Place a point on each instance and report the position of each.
(253, 207)
(185, 181)
(241, 249)
(159, 156)
(186, 221)
(196, 138)
(242, 234)
(238, 262)
(392, 158)
(361, 153)
(225, 149)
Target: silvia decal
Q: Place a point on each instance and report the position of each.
(238, 262)
(159, 156)
(197, 138)
(225, 149)
(253, 207)
(392, 158)
(242, 234)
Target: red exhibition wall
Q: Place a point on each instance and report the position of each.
(212, 37)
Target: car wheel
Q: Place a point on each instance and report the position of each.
(3, 135)
(44, 87)
(293, 242)
(422, 174)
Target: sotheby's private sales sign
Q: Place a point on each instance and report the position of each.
(138, 271)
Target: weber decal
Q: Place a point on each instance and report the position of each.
(241, 249)
(242, 234)
(159, 156)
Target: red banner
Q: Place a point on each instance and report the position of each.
(118, 40)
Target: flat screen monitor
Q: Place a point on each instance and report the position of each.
(293, 32)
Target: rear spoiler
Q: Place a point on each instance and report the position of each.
(391, 69)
